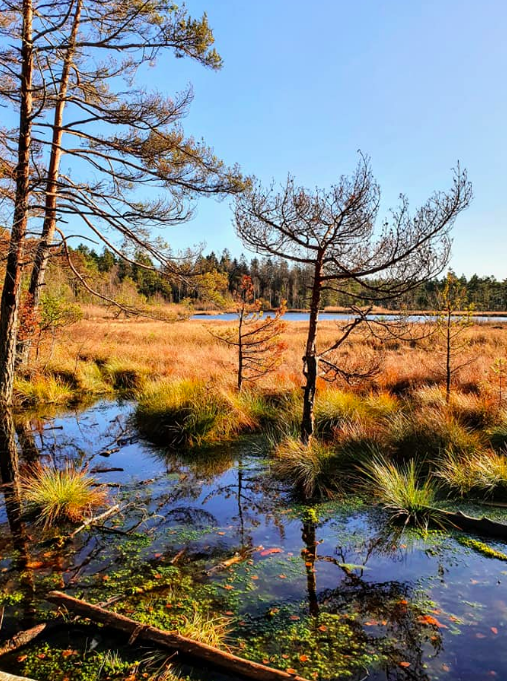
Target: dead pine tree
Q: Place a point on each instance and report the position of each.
(453, 319)
(334, 233)
(257, 339)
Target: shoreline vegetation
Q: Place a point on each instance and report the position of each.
(379, 312)
(398, 429)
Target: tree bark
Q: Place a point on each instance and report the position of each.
(310, 360)
(12, 283)
(42, 254)
(187, 647)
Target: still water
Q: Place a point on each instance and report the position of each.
(324, 590)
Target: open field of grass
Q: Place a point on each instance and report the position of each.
(101, 354)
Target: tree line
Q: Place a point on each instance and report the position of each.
(274, 280)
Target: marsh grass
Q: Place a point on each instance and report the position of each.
(190, 413)
(59, 495)
(401, 491)
(313, 470)
(213, 631)
(43, 389)
(334, 407)
(482, 472)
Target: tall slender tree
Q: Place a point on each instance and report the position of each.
(129, 167)
(334, 232)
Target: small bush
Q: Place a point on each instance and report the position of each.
(57, 495)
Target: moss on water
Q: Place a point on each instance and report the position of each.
(482, 548)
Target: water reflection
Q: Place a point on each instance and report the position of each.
(9, 469)
(222, 507)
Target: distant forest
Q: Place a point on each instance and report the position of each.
(273, 279)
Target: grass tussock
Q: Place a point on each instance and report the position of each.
(482, 472)
(401, 491)
(313, 470)
(190, 413)
(210, 631)
(60, 495)
(43, 389)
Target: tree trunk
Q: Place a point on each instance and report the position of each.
(12, 283)
(310, 360)
(448, 360)
(240, 350)
(168, 639)
(49, 226)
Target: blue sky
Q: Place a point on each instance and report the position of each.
(415, 84)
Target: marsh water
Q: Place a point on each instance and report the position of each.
(323, 589)
(341, 316)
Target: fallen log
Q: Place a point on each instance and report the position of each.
(24, 637)
(214, 657)
(481, 526)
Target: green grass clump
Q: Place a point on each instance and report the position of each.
(481, 547)
(399, 490)
(425, 433)
(497, 436)
(124, 374)
(190, 413)
(481, 471)
(43, 389)
(57, 495)
(334, 407)
(313, 470)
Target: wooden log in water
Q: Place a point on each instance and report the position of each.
(481, 526)
(24, 637)
(214, 657)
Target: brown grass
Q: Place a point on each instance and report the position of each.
(187, 350)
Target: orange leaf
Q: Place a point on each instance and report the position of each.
(34, 564)
(322, 627)
(291, 671)
(68, 653)
(304, 658)
(494, 630)
(229, 587)
(404, 664)
(294, 618)
(432, 621)
(22, 658)
(283, 576)
(268, 552)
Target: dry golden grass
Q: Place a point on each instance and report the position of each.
(186, 350)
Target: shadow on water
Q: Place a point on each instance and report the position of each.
(322, 589)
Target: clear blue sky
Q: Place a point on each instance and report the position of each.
(415, 84)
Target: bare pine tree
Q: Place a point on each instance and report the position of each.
(334, 232)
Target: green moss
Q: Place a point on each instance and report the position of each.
(56, 664)
(481, 547)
